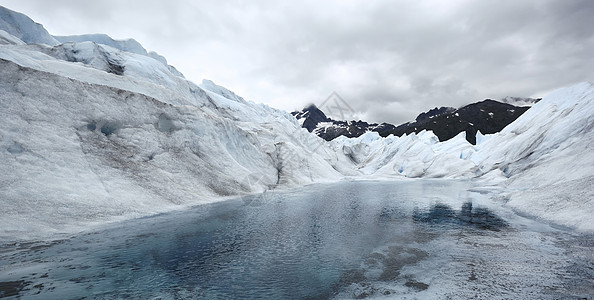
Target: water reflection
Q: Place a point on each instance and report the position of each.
(443, 214)
(307, 244)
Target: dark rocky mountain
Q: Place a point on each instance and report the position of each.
(488, 116)
(312, 115)
(425, 116)
(314, 120)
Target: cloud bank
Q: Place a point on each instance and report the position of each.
(389, 60)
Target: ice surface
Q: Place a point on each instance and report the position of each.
(8, 39)
(129, 45)
(547, 155)
(23, 28)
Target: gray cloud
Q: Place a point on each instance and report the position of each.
(389, 59)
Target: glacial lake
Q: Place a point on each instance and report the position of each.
(418, 239)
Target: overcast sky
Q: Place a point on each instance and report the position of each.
(388, 59)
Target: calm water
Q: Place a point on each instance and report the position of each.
(421, 239)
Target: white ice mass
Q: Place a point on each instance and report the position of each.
(96, 130)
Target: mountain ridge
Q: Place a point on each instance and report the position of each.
(487, 116)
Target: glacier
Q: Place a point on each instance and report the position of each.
(23, 28)
(97, 130)
(547, 158)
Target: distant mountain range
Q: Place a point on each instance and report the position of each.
(487, 116)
